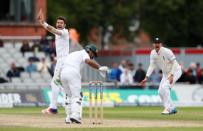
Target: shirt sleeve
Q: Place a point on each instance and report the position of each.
(85, 56)
(151, 66)
(170, 56)
(64, 32)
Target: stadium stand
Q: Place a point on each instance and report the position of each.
(11, 52)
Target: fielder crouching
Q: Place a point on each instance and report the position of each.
(71, 80)
(164, 59)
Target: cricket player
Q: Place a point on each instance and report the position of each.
(164, 59)
(62, 50)
(71, 80)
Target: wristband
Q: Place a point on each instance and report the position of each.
(45, 24)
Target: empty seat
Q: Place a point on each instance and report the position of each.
(23, 62)
(21, 86)
(27, 80)
(47, 81)
(1, 60)
(10, 60)
(5, 55)
(18, 45)
(39, 80)
(40, 55)
(3, 50)
(28, 54)
(8, 45)
(36, 75)
(16, 80)
(4, 66)
(34, 86)
(17, 55)
(12, 51)
(25, 75)
(46, 76)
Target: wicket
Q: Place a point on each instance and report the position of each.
(95, 90)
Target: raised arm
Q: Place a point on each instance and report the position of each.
(40, 18)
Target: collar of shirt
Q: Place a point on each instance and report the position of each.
(158, 53)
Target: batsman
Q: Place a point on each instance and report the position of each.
(71, 80)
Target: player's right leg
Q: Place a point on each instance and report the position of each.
(76, 97)
(67, 95)
(161, 95)
(164, 93)
(67, 104)
(52, 109)
(55, 90)
(71, 87)
(76, 109)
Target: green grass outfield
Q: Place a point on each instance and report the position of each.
(194, 114)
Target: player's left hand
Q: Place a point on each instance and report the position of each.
(170, 78)
(103, 68)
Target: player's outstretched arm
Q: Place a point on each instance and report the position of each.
(92, 64)
(95, 65)
(142, 83)
(103, 69)
(40, 18)
(149, 71)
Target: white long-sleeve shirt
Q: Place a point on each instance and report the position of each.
(62, 44)
(163, 59)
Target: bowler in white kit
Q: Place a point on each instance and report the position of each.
(62, 51)
(164, 59)
(71, 80)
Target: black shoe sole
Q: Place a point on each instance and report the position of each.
(75, 121)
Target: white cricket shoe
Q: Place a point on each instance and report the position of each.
(165, 112)
(68, 121)
(75, 118)
(169, 111)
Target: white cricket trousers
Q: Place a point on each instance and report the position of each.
(55, 89)
(164, 89)
(71, 82)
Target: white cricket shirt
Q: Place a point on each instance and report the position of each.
(62, 44)
(76, 59)
(163, 60)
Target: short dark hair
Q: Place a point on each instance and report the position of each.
(61, 18)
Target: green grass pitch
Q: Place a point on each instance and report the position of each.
(185, 114)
